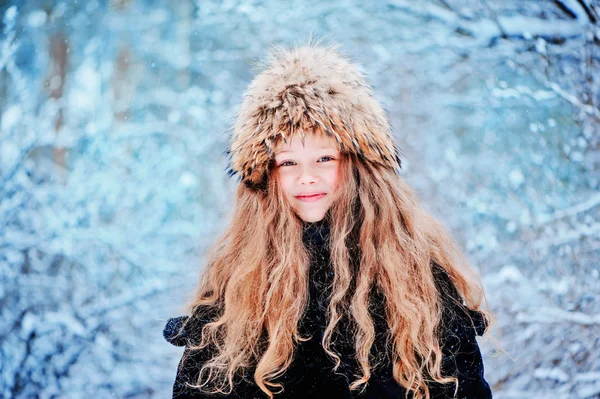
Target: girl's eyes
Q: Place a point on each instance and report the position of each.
(285, 163)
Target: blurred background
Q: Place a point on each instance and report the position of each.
(114, 122)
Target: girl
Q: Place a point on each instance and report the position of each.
(331, 281)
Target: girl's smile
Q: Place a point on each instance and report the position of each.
(310, 197)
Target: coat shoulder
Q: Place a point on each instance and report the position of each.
(455, 310)
(186, 330)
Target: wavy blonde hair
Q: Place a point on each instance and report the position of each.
(256, 282)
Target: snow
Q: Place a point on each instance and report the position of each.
(551, 374)
(10, 117)
(516, 178)
(10, 15)
(508, 274)
(106, 211)
(86, 94)
(588, 377)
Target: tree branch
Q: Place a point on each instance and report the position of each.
(591, 203)
(556, 315)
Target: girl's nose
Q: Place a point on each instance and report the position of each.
(307, 176)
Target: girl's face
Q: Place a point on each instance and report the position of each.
(308, 174)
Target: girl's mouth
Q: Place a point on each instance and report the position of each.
(310, 198)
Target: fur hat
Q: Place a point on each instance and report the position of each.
(304, 89)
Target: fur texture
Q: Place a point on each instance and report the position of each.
(305, 89)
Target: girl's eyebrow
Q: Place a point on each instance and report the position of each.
(320, 148)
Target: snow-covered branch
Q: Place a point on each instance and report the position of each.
(581, 231)
(485, 30)
(555, 315)
(582, 207)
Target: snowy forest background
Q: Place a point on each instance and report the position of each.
(114, 118)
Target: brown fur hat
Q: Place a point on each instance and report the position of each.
(301, 90)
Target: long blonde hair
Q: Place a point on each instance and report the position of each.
(256, 282)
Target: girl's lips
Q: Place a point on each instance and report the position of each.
(311, 198)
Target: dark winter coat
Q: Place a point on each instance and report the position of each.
(311, 375)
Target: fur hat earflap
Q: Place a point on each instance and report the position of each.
(306, 89)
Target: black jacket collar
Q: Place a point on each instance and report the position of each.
(316, 233)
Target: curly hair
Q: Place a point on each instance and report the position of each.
(255, 282)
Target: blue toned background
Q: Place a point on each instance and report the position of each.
(114, 117)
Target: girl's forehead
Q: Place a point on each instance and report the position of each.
(311, 141)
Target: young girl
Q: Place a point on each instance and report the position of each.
(331, 281)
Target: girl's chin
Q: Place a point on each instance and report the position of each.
(313, 216)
